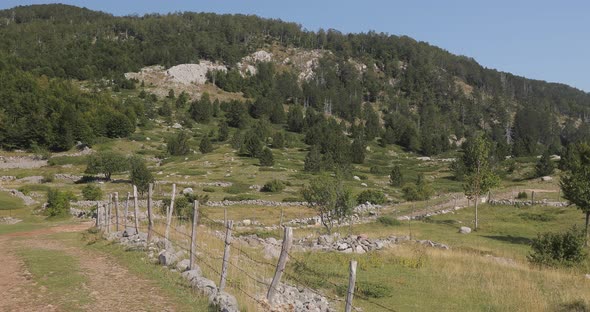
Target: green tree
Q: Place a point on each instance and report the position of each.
(396, 178)
(179, 144)
(576, 182)
(313, 160)
(205, 146)
(266, 157)
(223, 132)
(358, 150)
(479, 178)
(106, 163)
(252, 145)
(201, 110)
(544, 166)
(278, 140)
(92, 192)
(295, 118)
(140, 174)
(424, 189)
(58, 203)
(330, 200)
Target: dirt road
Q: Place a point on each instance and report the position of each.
(110, 285)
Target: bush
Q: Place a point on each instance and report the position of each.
(522, 195)
(58, 203)
(92, 192)
(273, 186)
(378, 170)
(209, 190)
(558, 249)
(371, 196)
(179, 145)
(47, 178)
(388, 221)
(410, 192)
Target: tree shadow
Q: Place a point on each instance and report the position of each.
(510, 239)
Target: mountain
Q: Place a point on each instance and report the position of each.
(383, 86)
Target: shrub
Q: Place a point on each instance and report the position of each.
(558, 249)
(541, 217)
(47, 178)
(209, 190)
(371, 196)
(92, 192)
(388, 221)
(266, 158)
(522, 195)
(410, 192)
(378, 170)
(58, 203)
(273, 186)
(179, 145)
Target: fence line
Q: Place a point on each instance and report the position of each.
(175, 232)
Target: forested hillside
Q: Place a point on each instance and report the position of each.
(378, 86)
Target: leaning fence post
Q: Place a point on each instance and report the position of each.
(194, 234)
(117, 211)
(135, 209)
(149, 211)
(287, 241)
(126, 212)
(169, 212)
(351, 282)
(532, 198)
(228, 227)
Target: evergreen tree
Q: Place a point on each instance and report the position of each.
(223, 132)
(205, 146)
(266, 158)
(359, 150)
(179, 145)
(236, 115)
(396, 178)
(252, 145)
(202, 110)
(544, 166)
(313, 160)
(576, 182)
(278, 140)
(295, 119)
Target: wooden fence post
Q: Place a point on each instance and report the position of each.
(532, 198)
(125, 216)
(228, 228)
(169, 212)
(281, 221)
(108, 213)
(194, 234)
(149, 211)
(117, 211)
(351, 282)
(287, 242)
(135, 208)
(97, 215)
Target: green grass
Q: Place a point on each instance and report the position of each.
(60, 275)
(169, 283)
(9, 202)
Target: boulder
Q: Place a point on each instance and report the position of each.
(359, 249)
(247, 222)
(225, 302)
(187, 190)
(356, 178)
(190, 275)
(546, 178)
(343, 246)
(183, 265)
(204, 285)
(167, 258)
(464, 230)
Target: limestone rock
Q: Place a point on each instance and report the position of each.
(464, 230)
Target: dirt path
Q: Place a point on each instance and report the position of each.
(111, 286)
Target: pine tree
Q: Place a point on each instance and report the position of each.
(223, 132)
(359, 149)
(266, 158)
(313, 160)
(544, 166)
(396, 178)
(205, 146)
(295, 119)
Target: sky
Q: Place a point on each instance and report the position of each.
(546, 40)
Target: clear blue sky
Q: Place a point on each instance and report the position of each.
(540, 39)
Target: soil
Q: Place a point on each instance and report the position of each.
(111, 286)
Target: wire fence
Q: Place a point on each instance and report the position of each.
(243, 269)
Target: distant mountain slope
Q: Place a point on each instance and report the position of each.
(437, 94)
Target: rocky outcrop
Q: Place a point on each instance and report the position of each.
(512, 202)
(29, 201)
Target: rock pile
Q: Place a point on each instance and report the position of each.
(255, 202)
(512, 202)
(193, 73)
(358, 243)
(9, 220)
(29, 201)
(21, 162)
(177, 261)
(298, 299)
